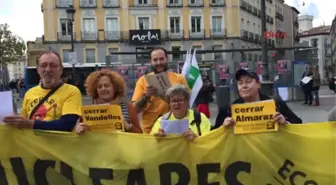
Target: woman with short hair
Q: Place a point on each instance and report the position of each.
(108, 87)
(178, 97)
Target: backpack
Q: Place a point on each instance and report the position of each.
(197, 120)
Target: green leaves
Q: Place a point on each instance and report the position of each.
(12, 47)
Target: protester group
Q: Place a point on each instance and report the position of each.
(55, 105)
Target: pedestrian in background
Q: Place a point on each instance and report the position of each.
(204, 97)
(308, 87)
(316, 85)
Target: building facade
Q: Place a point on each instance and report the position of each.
(333, 43)
(305, 23)
(104, 26)
(319, 38)
(16, 69)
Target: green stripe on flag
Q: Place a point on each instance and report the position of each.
(194, 73)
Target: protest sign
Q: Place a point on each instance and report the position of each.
(282, 66)
(254, 117)
(160, 81)
(243, 65)
(123, 70)
(223, 71)
(103, 117)
(259, 67)
(219, 157)
(141, 70)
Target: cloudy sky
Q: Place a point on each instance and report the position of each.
(26, 20)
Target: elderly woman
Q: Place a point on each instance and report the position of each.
(248, 84)
(178, 97)
(108, 87)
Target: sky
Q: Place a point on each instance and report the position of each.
(26, 19)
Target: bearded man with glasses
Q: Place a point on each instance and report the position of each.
(51, 105)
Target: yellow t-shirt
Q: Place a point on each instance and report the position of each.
(156, 106)
(66, 100)
(205, 125)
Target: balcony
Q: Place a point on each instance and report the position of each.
(89, 36)
(199, 34)
(218, 33)
(88, 4)
(296, 23)
(249, 8)
(259, 13)
(255, 11)
(257, 38)
(61, 36)
(244, 34)
(217, 3)
(243, 5)
(144, 5)
(112, 35)
(111, 4)
(172, 34)
(269, 19)
(64, 3)
(174, 3)
(250, 36)
(196, 3)
(279, 16)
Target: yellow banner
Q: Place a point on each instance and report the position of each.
(295, 155)
(103, 117)
(254, 117)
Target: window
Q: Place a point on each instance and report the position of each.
(198, 56)
(89, 27)
(115, 58)
(174, 2)
(66, 54)
(142, 2)
(143, 23)
(112, 24)
(90, 55)
(176, 56)
(196, 24)
(254, 28)
(174, 24)
(217, 24)
(313, 42)
(217, 56)
(66, 27)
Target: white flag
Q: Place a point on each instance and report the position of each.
(186, 65)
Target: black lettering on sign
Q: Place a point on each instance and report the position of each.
(204, 169)
(136, 177)
(167, 169)
(66, 171)
(40, 171)
(285, 168)
(232, 171)
(3, 178)
(97, 174)
(19, 170)
(310, 182)
(294, 174)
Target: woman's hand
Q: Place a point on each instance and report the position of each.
(229, 122)
(189, 135)
(280, 119)
(161, 133)
(81, 128)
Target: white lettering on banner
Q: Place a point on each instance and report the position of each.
(148, 37)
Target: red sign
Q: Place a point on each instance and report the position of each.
(243, 65)
(271, 34)
(223, 71)
(282, 66)
(259, 67)
(141, 70)
(123, 70)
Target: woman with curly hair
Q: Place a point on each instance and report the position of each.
(108, 87)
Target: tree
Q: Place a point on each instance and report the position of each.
(12, 47)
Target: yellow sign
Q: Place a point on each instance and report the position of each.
(103, 117)
(277, 158)
(254, 117)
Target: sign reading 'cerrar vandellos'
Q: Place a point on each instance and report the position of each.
(103, 117)
(145, 37)
(254, 117)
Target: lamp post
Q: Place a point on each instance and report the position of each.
(71, 18)
(265, 73)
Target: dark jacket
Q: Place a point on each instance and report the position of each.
(281, 107)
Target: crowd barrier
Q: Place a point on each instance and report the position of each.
(295, 155)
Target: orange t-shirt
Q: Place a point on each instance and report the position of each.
(156, 107)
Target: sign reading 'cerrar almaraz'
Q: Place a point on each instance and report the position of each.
(145, 37)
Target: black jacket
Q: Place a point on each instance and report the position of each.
(281, 107)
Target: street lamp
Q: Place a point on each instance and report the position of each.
(71, 18)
